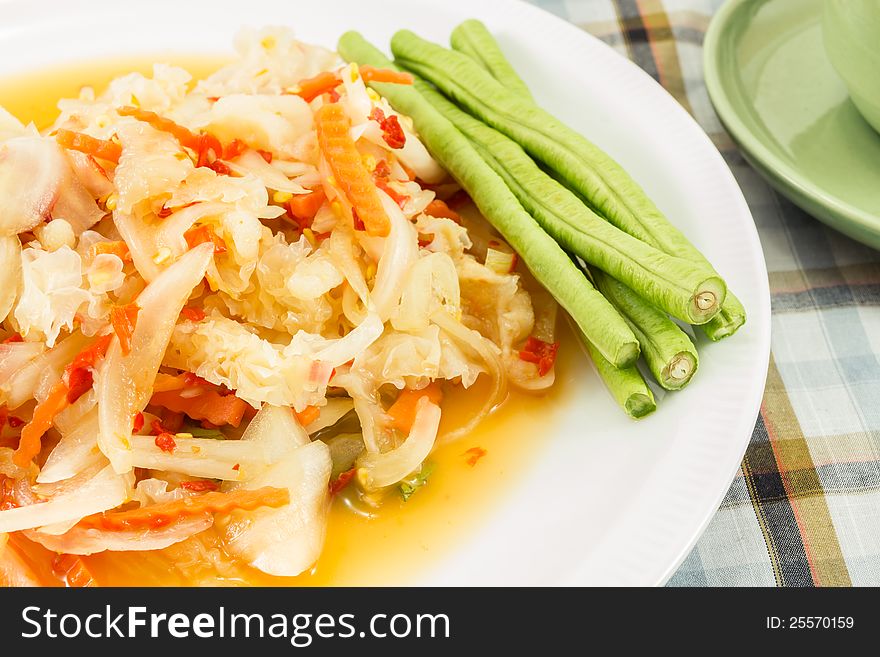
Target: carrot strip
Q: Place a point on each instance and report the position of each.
(339, 149)
(210, 405)
(304, 207)
(206, 146)
(193, 314)
(185, 136)
(118, 248)
(73, 570)
(166, 382)
(403, 411)
(163, 514)
(202, 234)
(74, 382)
(44, 414)
(78, 141)
(311, 88)
(438, 208)
(373, 74)
(308, 415)
(124, 320)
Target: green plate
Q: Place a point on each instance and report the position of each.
(776, 93)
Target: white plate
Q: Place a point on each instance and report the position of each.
(609, 501)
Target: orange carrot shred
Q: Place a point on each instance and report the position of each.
(118, 248)
(308, 415)
(304, 207)
(193, 314)
(209, 405)
(202, 234)
(438, 208)
(322, 83)
(73, 570)
(184, 135)
(352, 175)
(124, 320)
(403, 410)
(100, 148)
(372, 74)
(165, 513)
(74, 382)
(44, 414)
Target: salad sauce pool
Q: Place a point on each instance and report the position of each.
(388, 544)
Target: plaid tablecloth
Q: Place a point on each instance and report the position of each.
(804, 509)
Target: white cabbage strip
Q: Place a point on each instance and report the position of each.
(125, 382)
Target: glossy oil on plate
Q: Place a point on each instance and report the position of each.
(604, 500)
(777, 94)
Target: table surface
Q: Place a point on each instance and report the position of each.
(803, 509)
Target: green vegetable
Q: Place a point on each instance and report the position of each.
(673, 284)
(575, 160)
(473, 39)
(626, 384)
(544, 257)
(200, 432)
(668, 351)
(348, 423)
(344, 450)
(413, 483)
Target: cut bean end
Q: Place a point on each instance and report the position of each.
(679, 371)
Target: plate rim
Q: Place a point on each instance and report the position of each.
(697, 137)
(781, 174)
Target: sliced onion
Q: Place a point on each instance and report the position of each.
(141, 240)
(274, 431)
(10, 274)
(400, 252)
(288, 540)
(489, 354)
(355, 342)
(31, 172)
(24, 383)
(78, 540)
(15, 355)
(106, 490)
(386, 469)
(199, 457)
(72, 416)
(362, 390)
(252, 163)
(125, 382)
(76, 452)
(333, 411)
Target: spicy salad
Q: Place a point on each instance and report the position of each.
(222, 302)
